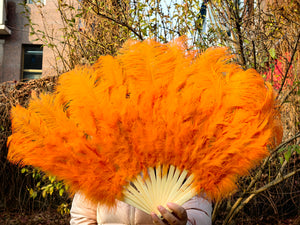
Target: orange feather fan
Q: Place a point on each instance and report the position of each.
(196, 117)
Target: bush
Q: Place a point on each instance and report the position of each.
(25, 189)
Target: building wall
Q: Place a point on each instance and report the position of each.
(12, 65)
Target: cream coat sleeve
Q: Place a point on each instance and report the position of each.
(198, 211)
(83, 212)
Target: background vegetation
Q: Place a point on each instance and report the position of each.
(263, 34)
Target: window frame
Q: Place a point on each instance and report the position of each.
(23, 70)
(41, 2)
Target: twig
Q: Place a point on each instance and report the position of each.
(215, 211)
(121, 23)
(254, 54)
(239, 201)
(256, 192)
(285, 143)
(287, 95)
(290, 64)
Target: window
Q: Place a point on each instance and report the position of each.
(36, 1)
(32, 62)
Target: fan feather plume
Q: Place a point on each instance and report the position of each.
(153, 104)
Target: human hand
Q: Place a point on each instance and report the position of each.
(178, 216)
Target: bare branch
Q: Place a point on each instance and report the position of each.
(290, 63)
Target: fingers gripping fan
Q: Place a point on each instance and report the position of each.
(157, 123)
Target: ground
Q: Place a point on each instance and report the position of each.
(37, 218)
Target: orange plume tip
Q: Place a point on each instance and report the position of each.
(152, 106)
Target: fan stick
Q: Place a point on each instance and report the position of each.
(187, 192)
(159, 188)
(139, 197)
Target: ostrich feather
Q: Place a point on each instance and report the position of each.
(152, 106)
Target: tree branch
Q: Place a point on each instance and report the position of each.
(254, 193)
(290, 64)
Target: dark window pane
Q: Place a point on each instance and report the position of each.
(31, 75)
(33, 57)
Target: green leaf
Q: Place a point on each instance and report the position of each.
(52, 179)
(32, 193)
(61, 191)
(24, 170)
(272, 53)
(51, 190)
(288, 154)
(297, 149)
(281, 150)
(44, 193)
(281, 160)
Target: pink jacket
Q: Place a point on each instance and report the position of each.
(84, 212)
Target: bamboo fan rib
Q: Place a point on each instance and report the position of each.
(159, 188)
